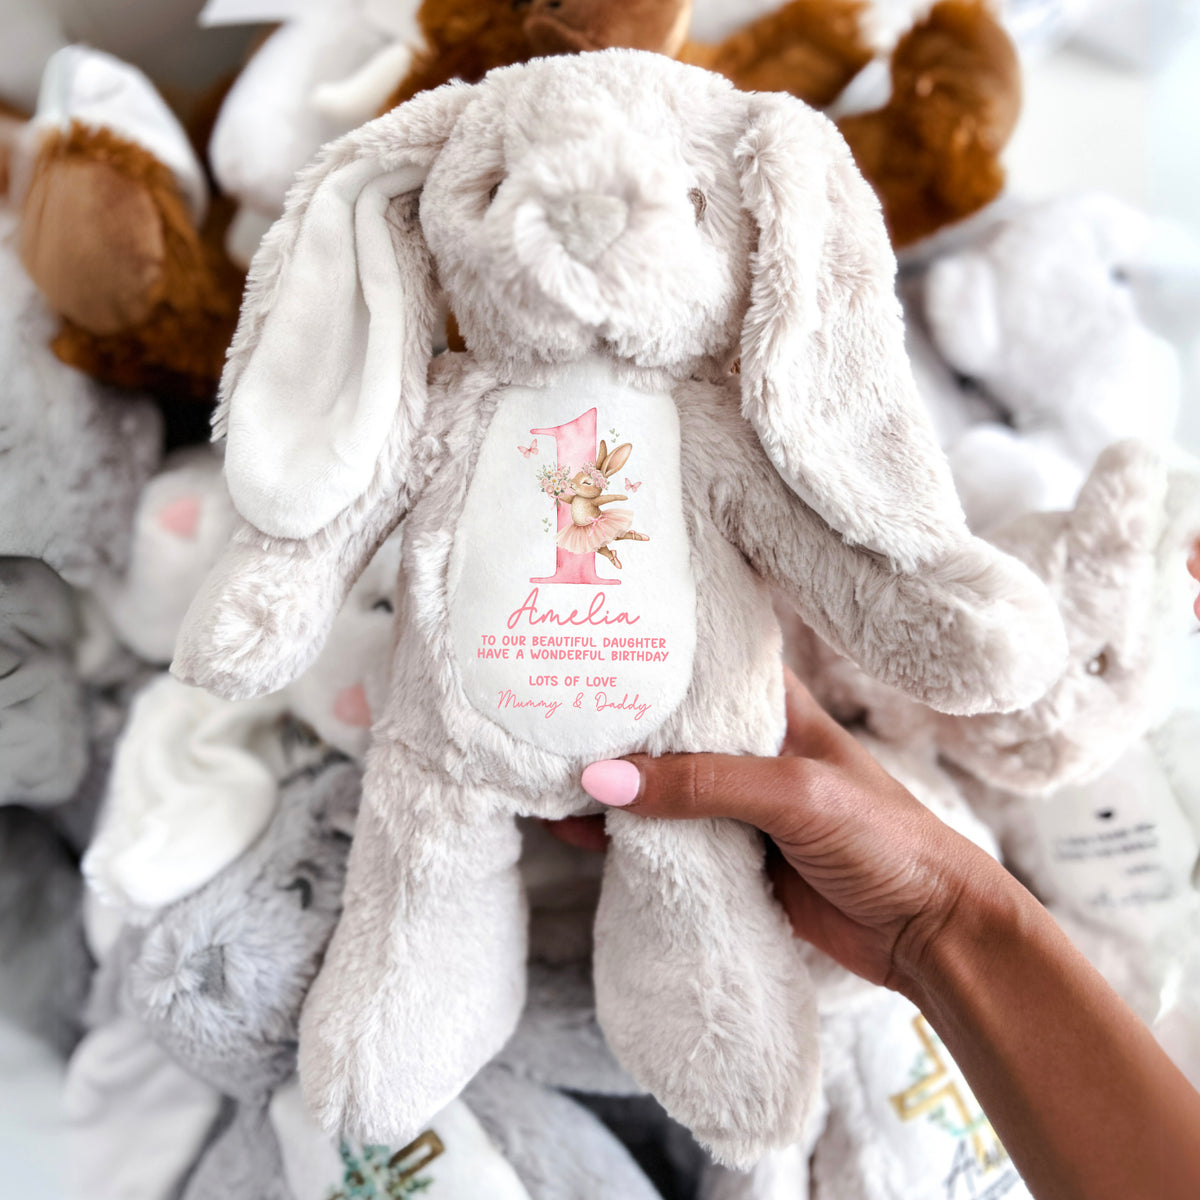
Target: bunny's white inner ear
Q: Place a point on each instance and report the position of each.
(826, 381)
(310, 412)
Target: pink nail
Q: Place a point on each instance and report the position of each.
(613, 782)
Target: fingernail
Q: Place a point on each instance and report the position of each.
(614, 782)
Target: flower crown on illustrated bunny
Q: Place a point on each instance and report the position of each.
(612, 230)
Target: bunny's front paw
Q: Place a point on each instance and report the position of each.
(247, 634)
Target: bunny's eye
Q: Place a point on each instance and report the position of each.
(1097, 665)
(384, 605)
(699, 203)
(492, 191)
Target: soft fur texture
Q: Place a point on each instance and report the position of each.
(111, 233)
(218, 978)
(44, 962)
(870, 544)
(76, 455)
(1116, 566)
(1038, 314)
(195, 778)
(43, 732)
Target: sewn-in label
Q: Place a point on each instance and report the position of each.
(572, 601)
(1119, 848)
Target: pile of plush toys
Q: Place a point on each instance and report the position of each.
(551, 409)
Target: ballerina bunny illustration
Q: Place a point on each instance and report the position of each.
(591, 530)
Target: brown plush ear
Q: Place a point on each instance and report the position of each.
(826, 381)
(91, 236)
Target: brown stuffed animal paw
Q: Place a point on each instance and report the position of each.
(932, 152)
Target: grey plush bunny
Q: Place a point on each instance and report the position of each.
(44, 962)
(43, 729)
(613, 231)
(218, 978)
(76, 454)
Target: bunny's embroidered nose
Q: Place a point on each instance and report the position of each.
(589, 223)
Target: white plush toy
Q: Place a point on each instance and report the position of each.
(612, 231)
(1092, 790)
(1038, 316)
(329, 67)
(76, 454)
(195, 779)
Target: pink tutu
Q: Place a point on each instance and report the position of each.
(586, 539)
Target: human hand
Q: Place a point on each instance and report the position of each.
(864, 871)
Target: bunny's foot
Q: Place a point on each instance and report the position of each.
(632, 535)
(700, 987)
(609, 553)
(424, 979)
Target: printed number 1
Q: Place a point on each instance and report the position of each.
(576, 444)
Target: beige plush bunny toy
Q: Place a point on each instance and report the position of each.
(612, 230)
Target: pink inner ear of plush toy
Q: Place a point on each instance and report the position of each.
(350, 706)
(181, 517)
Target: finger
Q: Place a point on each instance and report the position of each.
(766, 792)
(584, 833)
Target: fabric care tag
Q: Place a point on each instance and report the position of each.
(572, 601)
(454, 1159)
(1120, 850)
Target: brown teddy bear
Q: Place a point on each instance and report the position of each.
(118, 232)
(931, 152)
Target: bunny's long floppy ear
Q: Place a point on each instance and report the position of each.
(826, 381)
(334, 340)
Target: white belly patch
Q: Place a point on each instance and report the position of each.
(554, 641)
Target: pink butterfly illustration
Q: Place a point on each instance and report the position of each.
(630, 486)
(530, 450)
